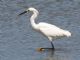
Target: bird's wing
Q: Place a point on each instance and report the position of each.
(51, 30)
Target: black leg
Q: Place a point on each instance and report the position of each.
(52, 45)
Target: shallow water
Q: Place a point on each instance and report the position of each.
(18, 41)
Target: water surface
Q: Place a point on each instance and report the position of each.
(18, 41)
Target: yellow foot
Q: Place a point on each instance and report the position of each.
(40, 49)
(43, 49)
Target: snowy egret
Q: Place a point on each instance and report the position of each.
(49, 30)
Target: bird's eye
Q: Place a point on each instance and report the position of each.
(28, 10)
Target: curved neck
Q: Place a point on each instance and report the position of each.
(32, 19)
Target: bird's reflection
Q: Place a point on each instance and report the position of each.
(57, 54)
(49, 53)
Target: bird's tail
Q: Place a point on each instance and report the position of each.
(67, 33)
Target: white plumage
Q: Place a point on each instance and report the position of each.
(52, 30)
(49, 30)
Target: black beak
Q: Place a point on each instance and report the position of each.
(23, 13)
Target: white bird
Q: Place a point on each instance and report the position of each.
(49, 30)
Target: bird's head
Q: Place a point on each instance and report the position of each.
(31, 9)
